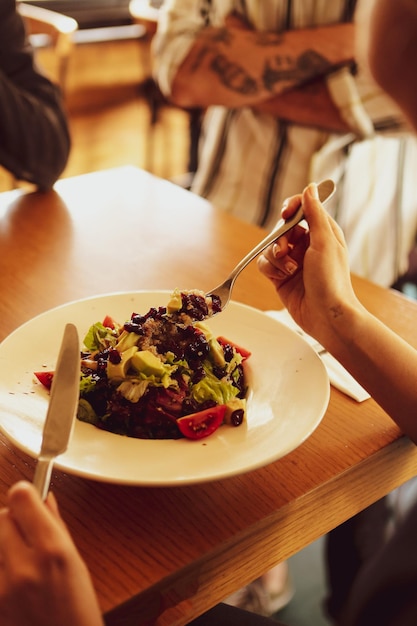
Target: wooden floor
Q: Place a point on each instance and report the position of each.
(110, 117)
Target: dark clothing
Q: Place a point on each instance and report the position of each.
(225, 615)
(348, 547)
(34, 136)
(383, 594)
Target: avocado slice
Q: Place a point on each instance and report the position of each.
(147, 363)
(119, 370)
(175, 302)
(233, 405)
(126, 340)
(216, 352)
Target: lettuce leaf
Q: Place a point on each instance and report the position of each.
(99, 337)
(212, 388)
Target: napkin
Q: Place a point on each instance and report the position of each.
(339, 377)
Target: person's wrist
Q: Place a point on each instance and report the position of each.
(346, 320)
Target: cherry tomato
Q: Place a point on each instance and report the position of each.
(245, 354)
(203, 423)
(45, 378)
(109, 322)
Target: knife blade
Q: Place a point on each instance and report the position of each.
(62, 408)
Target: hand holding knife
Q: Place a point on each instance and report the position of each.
(61, 410)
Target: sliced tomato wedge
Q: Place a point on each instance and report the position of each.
(245, 354)
(203, 423)
(45, 378)
(109, 322)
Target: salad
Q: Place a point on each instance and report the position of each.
(161, 374)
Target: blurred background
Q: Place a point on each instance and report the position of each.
(117, 115)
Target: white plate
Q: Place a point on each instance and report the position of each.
(289, 393)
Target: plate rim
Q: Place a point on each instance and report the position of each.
(62, 462)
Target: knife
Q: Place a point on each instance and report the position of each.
(62, 408)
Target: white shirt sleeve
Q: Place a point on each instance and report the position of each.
(178, 25)
(362, 104)
(344, 93)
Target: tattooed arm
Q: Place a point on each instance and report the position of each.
(237, 67)
(306, 105)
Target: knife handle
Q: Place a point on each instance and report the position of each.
(42, 476)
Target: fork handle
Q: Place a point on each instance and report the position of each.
(325, 188)
(281, 228)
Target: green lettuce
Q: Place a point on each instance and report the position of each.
(99, 337)
(87, 384)
(211, 388)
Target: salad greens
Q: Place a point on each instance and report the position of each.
(143, 377)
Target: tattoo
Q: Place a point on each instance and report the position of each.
(308, 65)
(224, 35)
(216, 35)
(221, 35)
(268, 39)
(337, 311)
(234, 76)
(313, 87)
(279, 69)
(198, 61)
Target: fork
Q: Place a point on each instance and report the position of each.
(223, 291)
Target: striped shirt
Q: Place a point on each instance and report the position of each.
(250, 162)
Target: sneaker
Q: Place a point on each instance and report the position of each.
(267, 594)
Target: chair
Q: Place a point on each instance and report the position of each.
(146, 16)
(48, 28)
(145, 13)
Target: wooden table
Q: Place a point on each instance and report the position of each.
(165, 555)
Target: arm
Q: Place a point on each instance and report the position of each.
(307, 105)
(310, 270)
(34, 136)
(392, 51)
(213, 71)
(43, 580)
